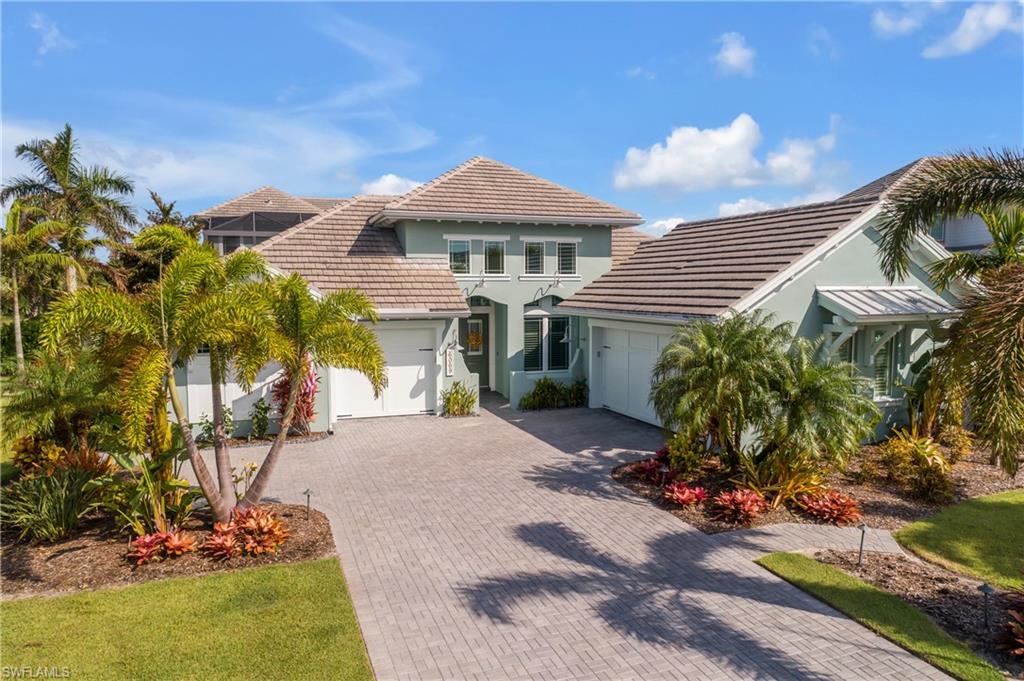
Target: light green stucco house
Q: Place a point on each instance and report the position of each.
(494, 277)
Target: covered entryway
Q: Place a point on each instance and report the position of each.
(623, 361)
(411, 357)
(475, 338)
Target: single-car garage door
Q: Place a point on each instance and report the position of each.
(626, 361)
(411, 357)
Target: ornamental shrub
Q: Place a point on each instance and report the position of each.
(685, 456)
(830, 506)
(740, 506)
(683, 494)
(458, 400)
(958, 440)
(49, 507)
(260, 417)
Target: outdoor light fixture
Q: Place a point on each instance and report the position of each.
(863, 527)
(988, 590)
(567, 336)
(454, 345)
(308, 494)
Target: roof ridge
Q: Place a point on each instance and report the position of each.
(416, 191)
(234, 198)
(773, 211)
(265, 187)
(294, 229)
(914, 167)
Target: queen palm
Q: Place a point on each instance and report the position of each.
(26, 242)
(79, 196)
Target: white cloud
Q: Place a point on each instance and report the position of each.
(660, 227)
(640, 73)
(734, 57)
(981, 23)
(888, 24)
(694, 159)
(821, 43)
(50, 37)
(390, 184)
(750, 204)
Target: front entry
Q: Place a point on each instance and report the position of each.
(474, 337)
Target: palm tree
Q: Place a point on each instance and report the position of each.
(715, 378)
(324, 331)
(1007, 230)
(26, 242)
(822, 408)
(946, 187)
(164, 213)
(77, 195)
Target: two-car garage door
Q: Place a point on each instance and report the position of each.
(411, 357)
(625, 360)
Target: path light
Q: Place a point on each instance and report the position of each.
(988, 590)
(863, 527)
(308, 494)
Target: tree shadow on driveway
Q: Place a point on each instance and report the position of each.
(678, 598)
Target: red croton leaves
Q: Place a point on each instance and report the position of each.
(831, 507)
(159, 545)
(254, 531)
(740, 506)
(684, 495)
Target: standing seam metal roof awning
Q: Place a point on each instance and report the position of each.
(883, 303)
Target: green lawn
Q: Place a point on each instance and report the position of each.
(981, 537)
(277, 622)
(881, 612)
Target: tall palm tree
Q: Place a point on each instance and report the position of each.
(1007, 229)
(26, 242)
(323, 331)
(715, 378)
(77, 195)
(947, 187)
(164, 213)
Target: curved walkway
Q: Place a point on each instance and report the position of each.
(499, 547)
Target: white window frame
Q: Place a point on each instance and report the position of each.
(500, 243)
(575, 257)
(469, 255)
(545, 328)
(479, 323)
(890, 347)
(526, 257)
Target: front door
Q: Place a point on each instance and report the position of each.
(475, 340)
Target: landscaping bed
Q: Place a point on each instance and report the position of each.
(95, 557)
(243, 442)
(950, 600)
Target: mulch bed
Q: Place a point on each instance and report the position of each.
(950, 600)
(95, 557)
(883, 504)
(714, 480)
(243, 442)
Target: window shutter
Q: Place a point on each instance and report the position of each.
(883, 369)
(533, 359)
(558, 352)
(567, 258)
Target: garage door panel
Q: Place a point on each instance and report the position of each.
(628, 359)
(410, 357)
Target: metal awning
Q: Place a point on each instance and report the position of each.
(863, 304)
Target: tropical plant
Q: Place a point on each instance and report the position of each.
(684, 495)
(165, 213)
(142, 260)
(78, 196)
(305, 403)
(258, 530)
(918, 463)
(259, 415)
(323, 331)
(1006, 227)
(780, 476)
(458, 400)
(576, 394)
(545, 394)
(222, 543)
(830, 506)
(958, 440)
(40, 456)
(1014, 635)
(740, 507)
(207, 429)
(715, 378)
(156, 546)
(26, 243)
(49, 507)
(685, 457)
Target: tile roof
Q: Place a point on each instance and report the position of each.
(484, 187)
(703, 268)
(625, 241)
(340, 249)
(264, 199)
(877, 188)
(323, 202)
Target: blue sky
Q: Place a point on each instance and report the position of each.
(672, 110)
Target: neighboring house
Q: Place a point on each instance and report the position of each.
(466, 271)
(815, 266)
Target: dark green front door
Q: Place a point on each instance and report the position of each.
(475, 340)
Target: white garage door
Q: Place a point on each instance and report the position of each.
(411, 358)
(627, 358)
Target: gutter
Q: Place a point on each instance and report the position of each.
(650, 318)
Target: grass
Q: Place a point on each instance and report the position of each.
(285, 621)
(979, 537)
(881, 612)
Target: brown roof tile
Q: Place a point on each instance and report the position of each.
(340, 249)
(264, 199)
(702, 268)
(625, 241)
(482, 186)
(323, 202)
(877, 188)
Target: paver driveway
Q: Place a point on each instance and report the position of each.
(499, 547)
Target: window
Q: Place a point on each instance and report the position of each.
(938, 231)
(494, 257)
(533, 252)
(533, 348)
(885, 368)
(474, 342)
(558, 350)
(566, 258)
(543, 346)
(458, 256)
(845, 352)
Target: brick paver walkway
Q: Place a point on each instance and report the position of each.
(499, 547)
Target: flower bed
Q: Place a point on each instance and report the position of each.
(96, 557)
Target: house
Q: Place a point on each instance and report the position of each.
(465, 270)
(494, 277)
(814, 265)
